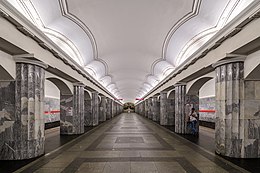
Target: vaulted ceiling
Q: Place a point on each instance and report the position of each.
(130, 45)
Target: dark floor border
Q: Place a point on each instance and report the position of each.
(186, 165)
(37, 164)
(214, 158)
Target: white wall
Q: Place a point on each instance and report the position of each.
(208, 89)
(251, 62)
(7, 62)
(51, 90)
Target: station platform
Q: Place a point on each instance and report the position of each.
(131, 143)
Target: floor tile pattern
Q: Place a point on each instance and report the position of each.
(130, 143)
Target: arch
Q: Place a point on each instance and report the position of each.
(252, 66)
(87, 94)
(5, 76)
(171, 94)
(195, 87)
(254, 74)
(63, 87)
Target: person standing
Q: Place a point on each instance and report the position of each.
(193, 121)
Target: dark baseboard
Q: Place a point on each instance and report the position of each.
(52, 125)
(207, 124)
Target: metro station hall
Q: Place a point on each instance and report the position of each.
(129, 86)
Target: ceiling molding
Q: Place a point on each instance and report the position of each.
(194, 12)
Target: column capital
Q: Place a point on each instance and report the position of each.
(163, 92)
(29, 59)
(94, 92)
(180, 84)
(79, 84)
(232, 58)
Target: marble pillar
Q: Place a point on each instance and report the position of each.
(109, 109)
(146, 108)
(237, 111)
(88, 120)
(181, 109)
(22, 128)
(94, 108)
(150, 113)
(170, 111)
(103, 109)
(72, 111)
(113, 108)
(142, 108)
(163, 108)
(155, 109)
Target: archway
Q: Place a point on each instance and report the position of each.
(201, 96)
(58, 95)
(7, 105)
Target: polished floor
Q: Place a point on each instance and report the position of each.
(130, 143)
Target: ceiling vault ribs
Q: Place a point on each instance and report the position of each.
(194, 12)
(131, 46)
(66, 13)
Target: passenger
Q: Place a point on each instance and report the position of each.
(193, 121)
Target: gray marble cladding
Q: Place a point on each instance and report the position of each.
(155, 109)
(66, 114)
(146, 108)
(237, 113)
(150, 111)
(113, 108)
(109, 109)
(7, 117)
(94, 108)
(207, 103)
(87, 112)
(183, 105)
(163, 108)
(78, 109)
(102, 109)
(26, 124)
(72, 112)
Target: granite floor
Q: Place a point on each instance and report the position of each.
(130, 143)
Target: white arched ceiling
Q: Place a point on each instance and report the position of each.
(130, 46)
(212, 16)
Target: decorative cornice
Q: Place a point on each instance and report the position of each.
(194, 12)
(233, 58)
(79, 84)
(29, 59)
(180, 84)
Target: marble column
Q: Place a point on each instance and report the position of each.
(94, 108)
(88, 112)
(142, 109)
(22, 129)
(102, 113)
(181, 109)
(237, 111)
(109, 109)
(155, 109)
(72, 111)
(113, 108)
(163, 108)
(150, 113)
(146, 108)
